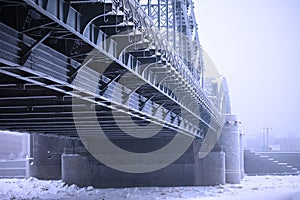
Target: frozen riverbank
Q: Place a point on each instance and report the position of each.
(262, 187)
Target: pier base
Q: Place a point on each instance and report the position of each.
(44, 160)
(83, 169)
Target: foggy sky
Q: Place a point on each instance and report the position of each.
(256, 46)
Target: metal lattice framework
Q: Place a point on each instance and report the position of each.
(176, 21)
(44, 45)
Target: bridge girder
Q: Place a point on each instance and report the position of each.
(57, 36)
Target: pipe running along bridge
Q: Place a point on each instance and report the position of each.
(132, 70)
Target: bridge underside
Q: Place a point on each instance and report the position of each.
(69, 67)
(31, 108)
(44, 46)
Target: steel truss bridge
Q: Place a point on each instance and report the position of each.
(111, 45)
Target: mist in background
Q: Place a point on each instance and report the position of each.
(256, 46)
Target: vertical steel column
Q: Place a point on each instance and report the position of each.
(174, 22)
(159, 10)
(167, 16)
(158, 14)
(149, 7)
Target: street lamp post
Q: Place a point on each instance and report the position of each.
(267, 137)
(263, 147)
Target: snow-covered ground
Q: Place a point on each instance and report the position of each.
(254, 188)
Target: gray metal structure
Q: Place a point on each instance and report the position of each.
(44, 44)
(176, 21)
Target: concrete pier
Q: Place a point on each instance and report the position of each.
(82, 169)
(71, 173)
(188, 170)
(65, 158)
(44, 160)
(242, 167)
(212, 169)
(230, 142)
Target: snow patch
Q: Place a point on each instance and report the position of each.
(255, 187)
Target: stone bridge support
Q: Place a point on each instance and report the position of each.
(65, 158)
(230, 143)
(183, 172)
(44, 160)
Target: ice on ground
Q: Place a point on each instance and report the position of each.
(252, 187)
